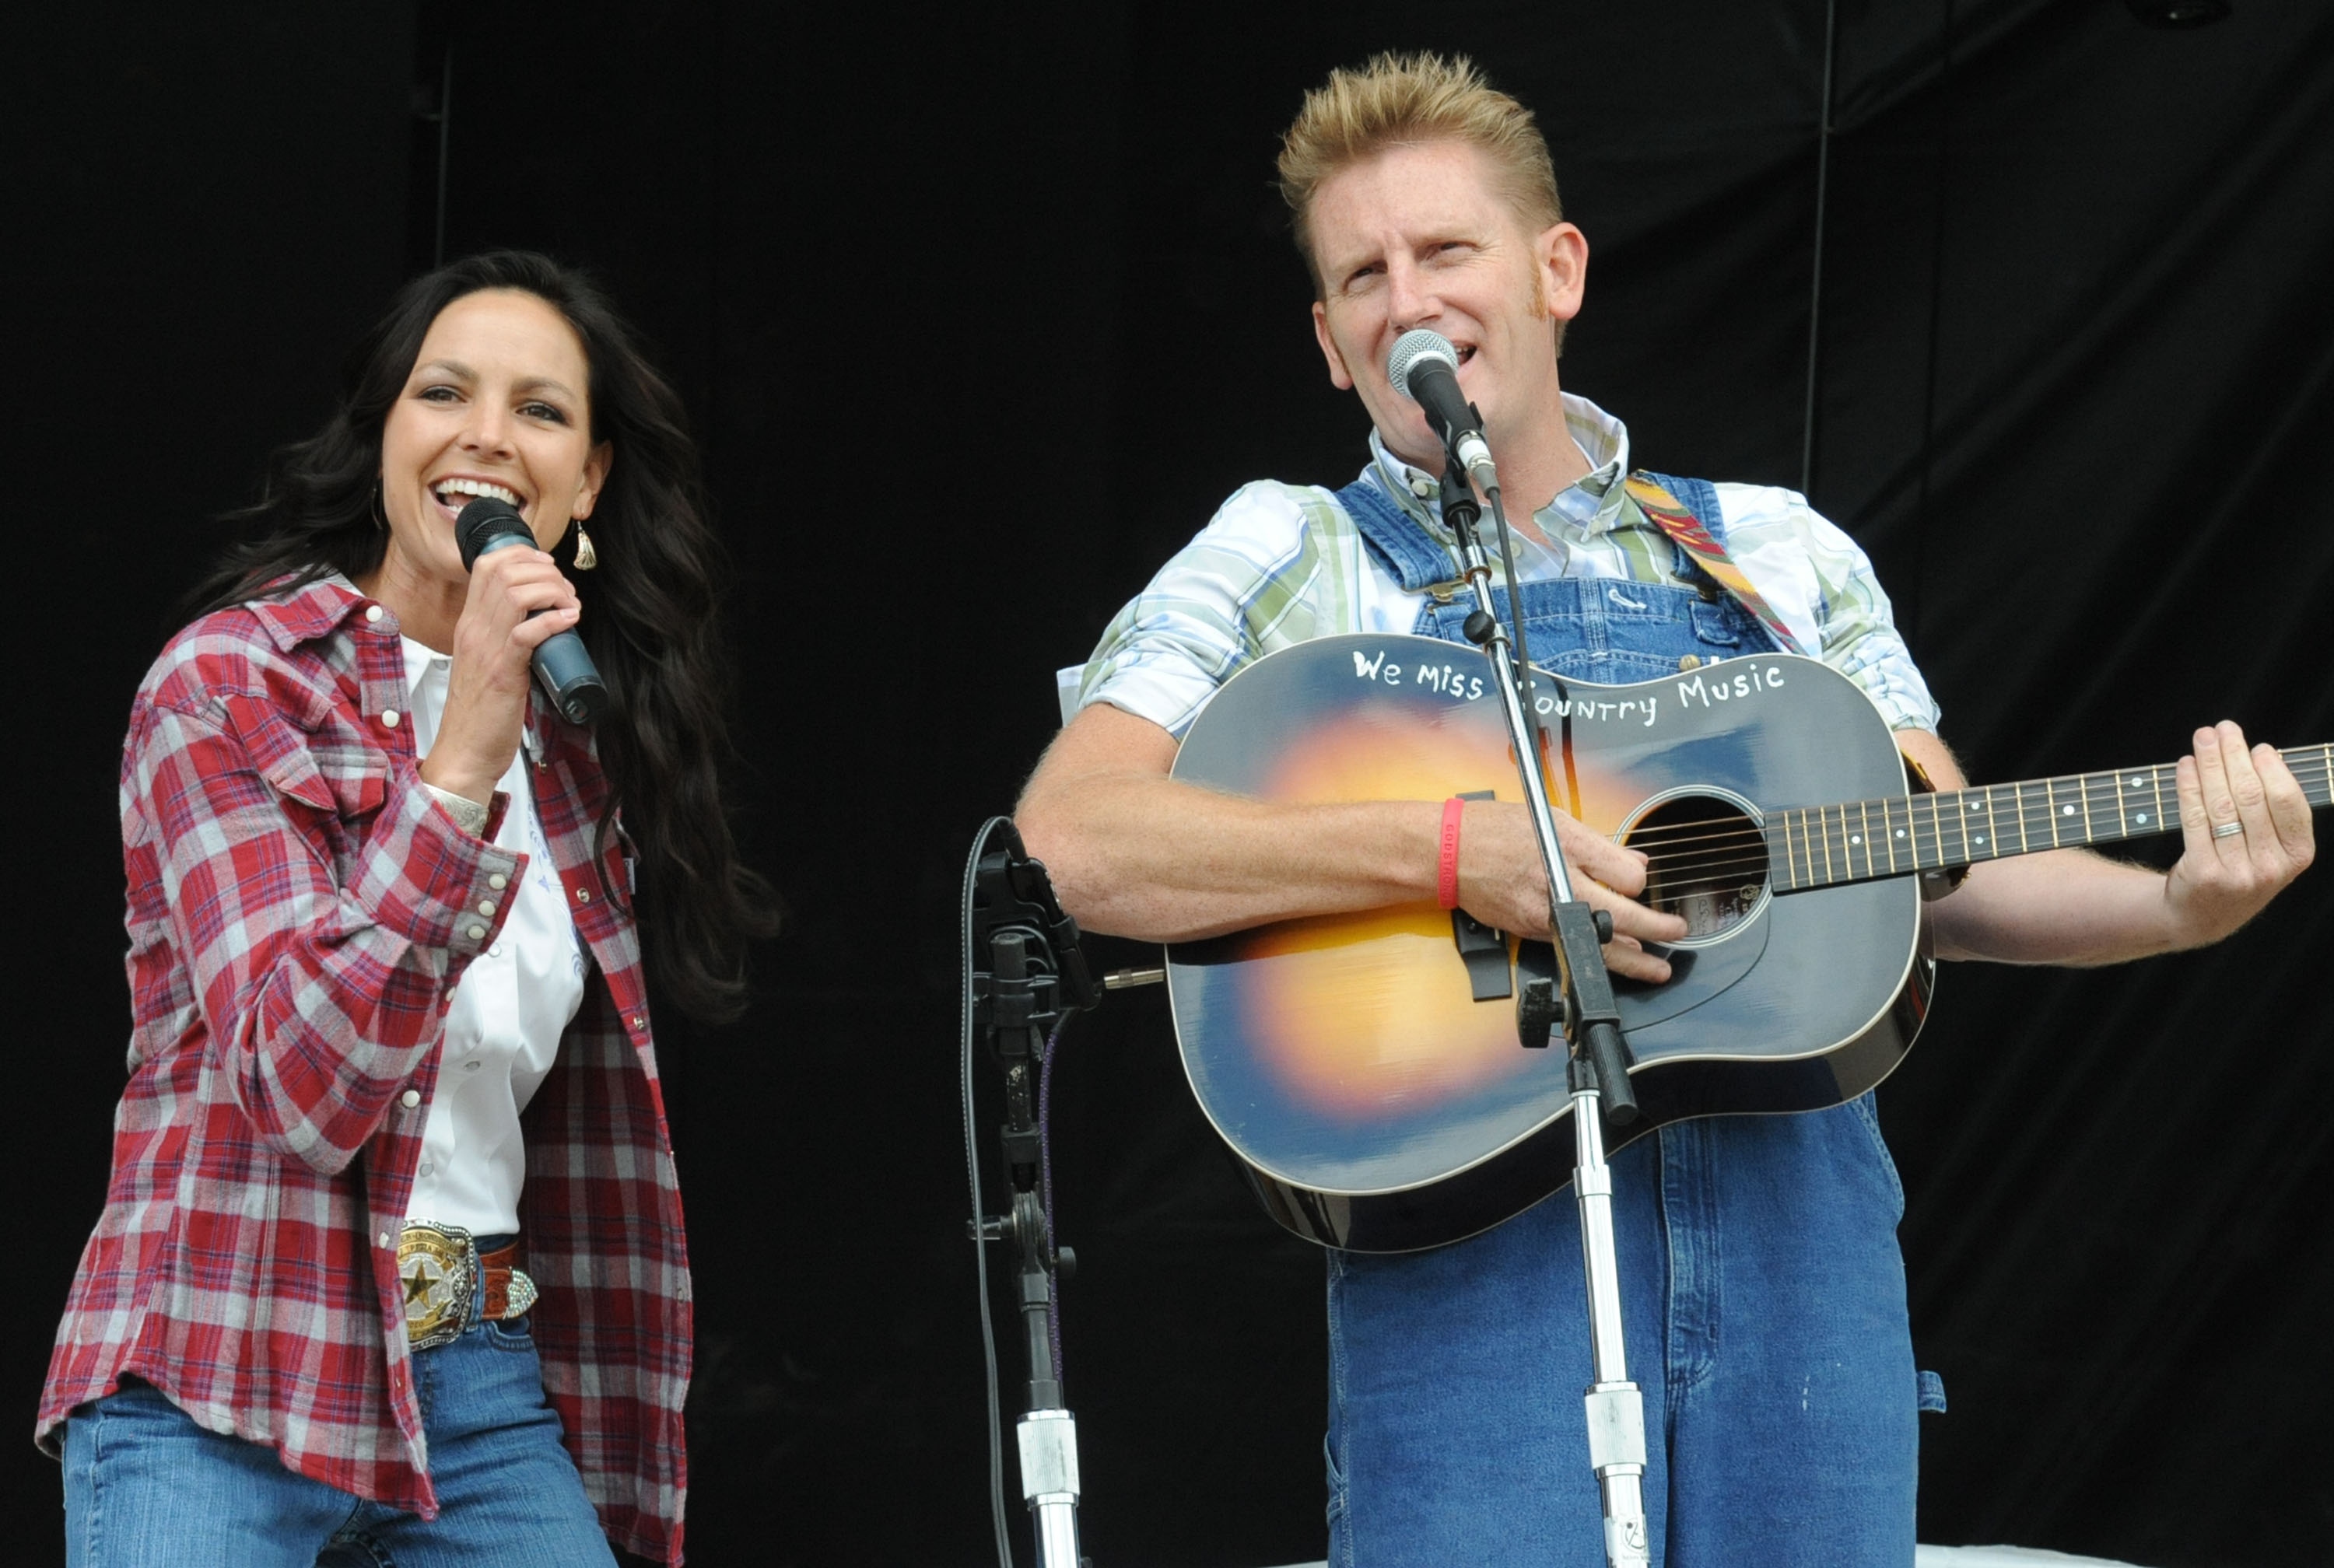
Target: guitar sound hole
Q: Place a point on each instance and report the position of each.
(1706, 863)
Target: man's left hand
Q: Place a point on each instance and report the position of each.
(2224, 878)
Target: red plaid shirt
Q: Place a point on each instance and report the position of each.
(299, 912)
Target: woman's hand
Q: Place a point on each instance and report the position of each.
(517, 599)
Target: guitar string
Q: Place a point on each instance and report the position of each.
(2313, 769)
(1668, 850)
(2033, 820)
(1738, 858)
(1705, 875)
(2037, 814)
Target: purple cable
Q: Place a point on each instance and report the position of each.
(1046, 1178)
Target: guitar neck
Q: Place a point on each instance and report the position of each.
(1895, 836)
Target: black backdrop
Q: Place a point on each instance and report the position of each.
(979, 315)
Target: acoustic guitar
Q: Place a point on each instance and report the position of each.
(1366, 1068)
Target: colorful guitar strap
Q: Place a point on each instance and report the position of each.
(1677, 521)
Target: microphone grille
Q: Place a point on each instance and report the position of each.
(1411, 349)
(482, 519)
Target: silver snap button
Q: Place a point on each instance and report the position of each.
(582, 895)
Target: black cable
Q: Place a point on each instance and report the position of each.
(980, 1212)
(1909, 613)
(1515, 600)
(1046, 1181)
(1532, 720)
(1815, 287)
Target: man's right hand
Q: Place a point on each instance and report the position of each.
(1502, 883)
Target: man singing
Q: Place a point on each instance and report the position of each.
(1764, 1293)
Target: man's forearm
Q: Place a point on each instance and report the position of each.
(2072, 906)
(1165, 860)
(2064, 906)
(1133, 851)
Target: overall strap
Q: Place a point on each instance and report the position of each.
(1697, 526)
(1401, 545)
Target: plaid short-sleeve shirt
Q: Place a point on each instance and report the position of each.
(1280, 565)
(299, 910)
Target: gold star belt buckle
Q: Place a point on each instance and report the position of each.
(439, 1267)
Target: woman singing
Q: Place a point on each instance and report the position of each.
(392, 1266)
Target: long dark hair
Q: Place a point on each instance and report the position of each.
(649, 610)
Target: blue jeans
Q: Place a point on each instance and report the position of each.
(146, 1487)
(1763, 1306)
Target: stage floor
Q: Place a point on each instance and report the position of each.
(1967, 1557)
(2004, 1557)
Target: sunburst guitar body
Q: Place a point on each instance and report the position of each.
(1374, 1084)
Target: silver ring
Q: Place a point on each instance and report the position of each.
(2227, 830)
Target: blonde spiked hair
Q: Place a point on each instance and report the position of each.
(1405, 99)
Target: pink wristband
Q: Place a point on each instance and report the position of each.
(1447, 879)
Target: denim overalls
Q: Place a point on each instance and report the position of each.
(1763, 1294)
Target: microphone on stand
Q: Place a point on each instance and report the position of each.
(562, 665)
(1425, 367)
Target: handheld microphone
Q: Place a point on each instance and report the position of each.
(1425, 367)
(562, 663)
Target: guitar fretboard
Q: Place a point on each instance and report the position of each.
(1858, 841)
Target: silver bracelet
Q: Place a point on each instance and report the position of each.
(468, 814)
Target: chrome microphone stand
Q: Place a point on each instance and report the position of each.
(1598, 1071)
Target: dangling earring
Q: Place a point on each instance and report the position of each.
(586, 557)
(379, 520)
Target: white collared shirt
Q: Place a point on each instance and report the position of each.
(509, 1010)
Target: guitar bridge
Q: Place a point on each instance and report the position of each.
(1485, 953)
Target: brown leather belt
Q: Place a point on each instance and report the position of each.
(445, 1273)
(498, 1267)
